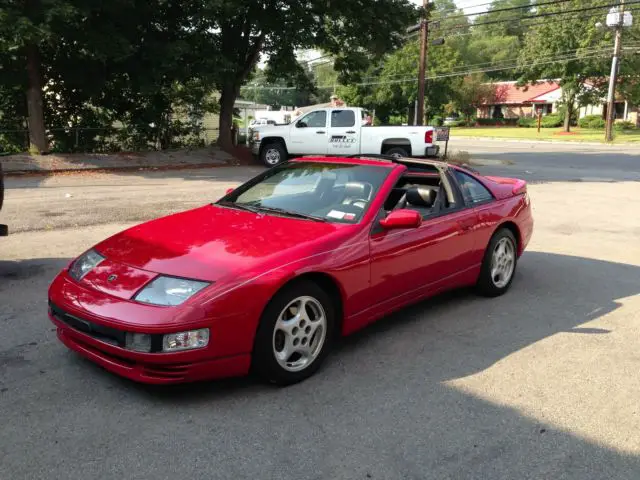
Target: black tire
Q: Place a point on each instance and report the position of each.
(264, 362)
(486, 285)
(272, 154)
(399, 151)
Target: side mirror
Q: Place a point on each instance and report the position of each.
(402, 218)
(229, 190)
(301, 125)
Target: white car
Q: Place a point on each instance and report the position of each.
(340, 131)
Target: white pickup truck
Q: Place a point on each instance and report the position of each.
(339, 131)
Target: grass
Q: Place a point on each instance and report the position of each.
(576, 135)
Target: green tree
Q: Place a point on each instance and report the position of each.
(24, 27)
(497, 44)
(241, 31)
(473, 91)
(564, 50)
(396, 87)
(138, 63)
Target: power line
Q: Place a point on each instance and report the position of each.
(538, 15)
(464, 7)
(507, 61)
(545, 22)
(597, 54)
(507, 9)
(474, 68)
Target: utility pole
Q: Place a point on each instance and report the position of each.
(615, 63)
(424, 51)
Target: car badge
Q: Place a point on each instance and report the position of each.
(111, 278)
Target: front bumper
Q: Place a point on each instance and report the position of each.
(158, 370)
(255, 147)
(83, 327)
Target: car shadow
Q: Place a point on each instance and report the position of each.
(380, 408)
(550, 294)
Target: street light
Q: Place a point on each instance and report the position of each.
(617, 18)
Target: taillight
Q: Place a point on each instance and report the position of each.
(428, 136)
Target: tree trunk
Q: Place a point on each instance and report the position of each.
(567, 117)
(37, 136)
(570, 103)
(228, 97)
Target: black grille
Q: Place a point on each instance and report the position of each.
(99, 332)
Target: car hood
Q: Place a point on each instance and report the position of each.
(210, 242)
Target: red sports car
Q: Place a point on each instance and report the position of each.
(267, 277)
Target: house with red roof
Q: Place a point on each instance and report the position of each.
(511, 101)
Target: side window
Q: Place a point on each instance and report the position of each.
(313, 120)
(343, 118)
(472, 190)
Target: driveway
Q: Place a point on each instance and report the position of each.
(540, 383)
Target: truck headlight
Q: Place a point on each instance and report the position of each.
(175, 342)
(84, 264)
(169, 291)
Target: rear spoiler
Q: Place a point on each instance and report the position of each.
(519, 187)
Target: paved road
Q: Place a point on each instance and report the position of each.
(553, 162)
(540, 383)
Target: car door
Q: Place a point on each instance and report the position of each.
(478, 201)
(308, 135)
(344, 133)
(411, 263)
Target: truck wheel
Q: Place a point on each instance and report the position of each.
(272, 154)
(397, 152)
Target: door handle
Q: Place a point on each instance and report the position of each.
(351, 131)
(321, 131)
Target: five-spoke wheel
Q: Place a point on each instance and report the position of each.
(499, 264)
(295, 333)
(299, 333)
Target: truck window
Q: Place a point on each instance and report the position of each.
(313, 120)
(343, 118)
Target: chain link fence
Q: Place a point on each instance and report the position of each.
(108, 140)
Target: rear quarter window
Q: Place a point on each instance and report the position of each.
(473, 191)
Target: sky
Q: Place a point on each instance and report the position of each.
(466, 5)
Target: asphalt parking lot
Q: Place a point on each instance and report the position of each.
(541, 383)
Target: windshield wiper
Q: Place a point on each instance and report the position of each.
(289, 213)
(239, 206)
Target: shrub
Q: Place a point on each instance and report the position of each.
(591, 121)
(437, 121)
(551, 121)
(458, 123)
(624, 126)
(497, 121)
(597, 124)
(526, 122)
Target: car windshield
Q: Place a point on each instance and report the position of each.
(328, 192)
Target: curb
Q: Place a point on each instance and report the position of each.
(554, 142)
(25, 173)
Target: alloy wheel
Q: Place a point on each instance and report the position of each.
(299, 333)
